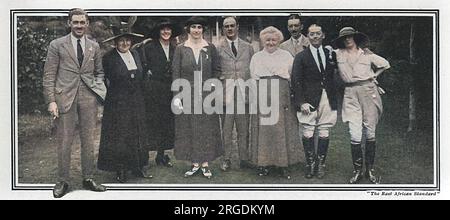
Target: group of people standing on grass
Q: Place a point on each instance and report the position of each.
(136, 87)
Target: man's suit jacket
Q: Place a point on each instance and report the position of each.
(295, 49)
(235, 67)
(63, 74)
(308, 81)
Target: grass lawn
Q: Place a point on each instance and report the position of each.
(400, 159)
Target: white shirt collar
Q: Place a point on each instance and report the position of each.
(166, 49)
(235, 42)
(128, 59)
(74, 43)
(322, 55)
(314, 49)
(298, 40)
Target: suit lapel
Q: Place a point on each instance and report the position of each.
(136, 57)
(119, 60)
(69, 47)
(327, 63)
(227, 49)
(88, 51)
(294, 49)
(241, 48)
(312, 60)
(171, 51)
(303, 42)
(161, 50)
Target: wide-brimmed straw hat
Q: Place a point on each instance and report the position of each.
(359, 37)
(121, 32)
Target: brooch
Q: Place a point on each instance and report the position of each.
(206, 52)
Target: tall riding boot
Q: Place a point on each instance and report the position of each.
(322, 150)
(370, 159)
(308, 145)
(357, 163)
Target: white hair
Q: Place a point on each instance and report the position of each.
(271, 30)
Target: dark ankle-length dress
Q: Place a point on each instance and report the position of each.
(123, 142)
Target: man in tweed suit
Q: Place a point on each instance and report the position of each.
(298, 42)
(235, 55)
(73, 83)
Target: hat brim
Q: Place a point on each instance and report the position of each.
(196, 20)
(133, 36)
(360, 39)
(155, 31)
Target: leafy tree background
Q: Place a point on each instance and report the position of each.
(33, 38)
(389, 37)
(402, 157)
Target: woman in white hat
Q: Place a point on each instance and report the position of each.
(362, 107)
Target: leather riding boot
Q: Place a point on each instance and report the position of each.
(322, 150)
(370, 159)
(308, 145)
(357, 163)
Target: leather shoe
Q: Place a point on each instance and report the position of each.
(142, 173)
(192, 171)
(60, 189)
(89, 184)
(285, 173)
(372, 176)
(163, 160)
(356, 178)
(226, 165)
(206, 172)
(263, 171)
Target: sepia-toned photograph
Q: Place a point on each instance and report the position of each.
(300, 100)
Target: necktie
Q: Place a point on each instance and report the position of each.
(320, 62)
(233, 48)
(80, 55)
(296, 47)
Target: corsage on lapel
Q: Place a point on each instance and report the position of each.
(205, 50)
(331, 55)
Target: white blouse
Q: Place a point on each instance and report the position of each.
(278, 63)
(359, 69)
(128, 59)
